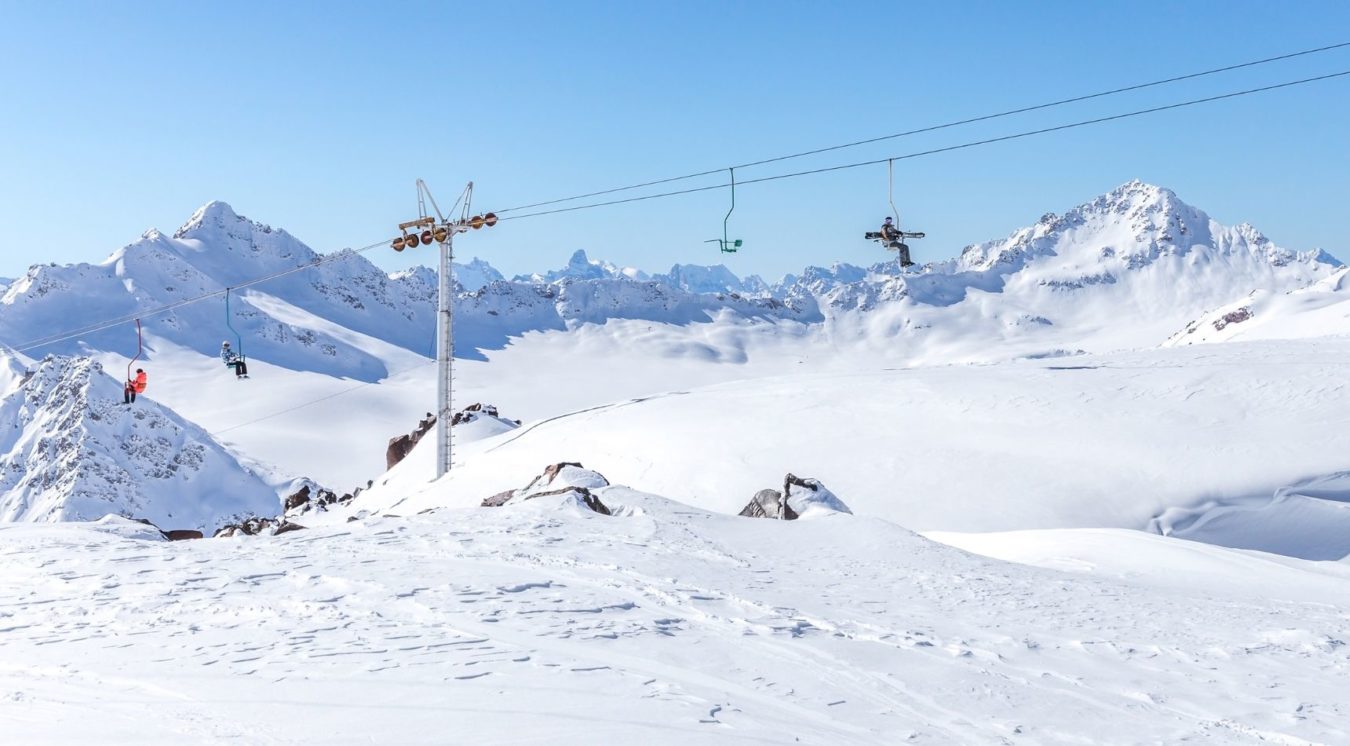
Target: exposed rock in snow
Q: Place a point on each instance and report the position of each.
(769, 504)
(400, 446)
(311, 498)
(805, 498)
(565, 480)
(474, 422)
(1320, 309)
(258, 526)
(75, 452)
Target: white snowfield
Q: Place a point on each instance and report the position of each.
(1126, 537)
(542, 623)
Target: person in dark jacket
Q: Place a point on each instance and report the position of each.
(891, 239)
(233, 360)
(889, 233)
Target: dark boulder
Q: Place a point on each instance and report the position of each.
(769, 504)
(562, 478)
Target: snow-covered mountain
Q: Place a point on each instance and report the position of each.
(715, 279)
(474, 275)
(1123, 271)
(1321, 309)
(74, 451)
(1127, 269)
(582, 267)
(309, 320)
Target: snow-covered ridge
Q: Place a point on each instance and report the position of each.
(75, 451)
(1126, 269)
(1317, 310)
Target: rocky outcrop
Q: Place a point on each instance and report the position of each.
(172, 534)
(564, 478)
(401, 446)
(769, 504)
(799, 498)
(259, 526)
(310, 498)
(473, 412)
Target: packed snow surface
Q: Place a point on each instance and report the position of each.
(543, 623)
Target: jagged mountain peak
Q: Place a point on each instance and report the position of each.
(213, 214)
(1134, 224)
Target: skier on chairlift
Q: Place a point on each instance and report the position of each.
(134, 387)
(891, 239)
(233, 360)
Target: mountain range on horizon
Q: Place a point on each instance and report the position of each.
(1138, 249)
(1134, 268)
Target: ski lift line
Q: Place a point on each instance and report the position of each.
(140, 347)
(934, 151)
(319, 400)
(65, 336)
(936, 127)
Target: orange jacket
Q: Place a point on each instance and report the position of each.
(140, 382)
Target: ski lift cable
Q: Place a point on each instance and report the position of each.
(322, 260)
(312, 402)
(889, 161)
(45, 341)
(351, 252)
(936, 127)
(933, 151)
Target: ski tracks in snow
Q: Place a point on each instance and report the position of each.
(664, 623)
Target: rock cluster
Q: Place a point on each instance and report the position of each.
(799, 498)
(563, 478)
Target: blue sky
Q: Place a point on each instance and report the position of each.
(317, 117)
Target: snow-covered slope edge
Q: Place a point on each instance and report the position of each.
(76, 452)
(660, 624)
(1320, 310)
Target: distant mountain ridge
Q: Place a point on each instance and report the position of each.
(1136, 253)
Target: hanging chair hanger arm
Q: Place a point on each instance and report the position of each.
(733, 206)
(140, 346)
(890, 190)
(229, 323)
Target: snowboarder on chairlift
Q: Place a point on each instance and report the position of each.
(233, 360)
(134, 387)
(891, 239)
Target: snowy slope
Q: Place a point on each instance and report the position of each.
(1125, 270)
(216, 249)
(76, 452)
(474, 275)
(1314, 311)
(539, 623)
(1101, 441)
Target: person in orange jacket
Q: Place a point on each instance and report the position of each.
(134, 387)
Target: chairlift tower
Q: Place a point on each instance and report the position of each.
(441, 230)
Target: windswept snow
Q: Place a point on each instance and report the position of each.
(540, 622)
